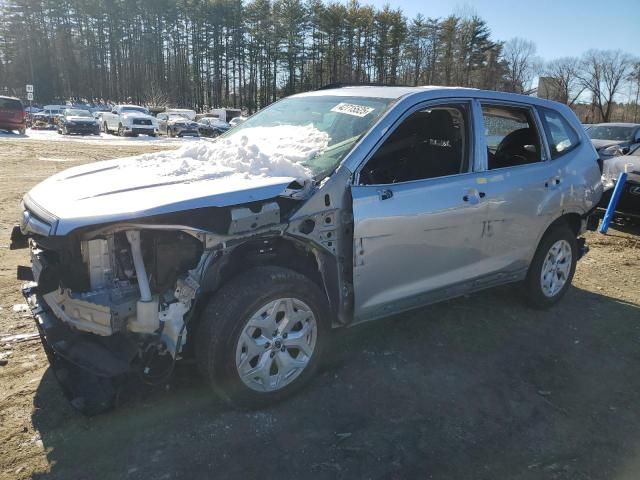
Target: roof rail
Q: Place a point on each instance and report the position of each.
(358, 84)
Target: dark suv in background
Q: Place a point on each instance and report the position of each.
(12, 116)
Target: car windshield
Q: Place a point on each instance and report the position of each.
(134, 109)
(177, 116)
(78, 113)
(333, 124)
(610, 132)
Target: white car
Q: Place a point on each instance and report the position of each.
(236, 121)
(129, 120)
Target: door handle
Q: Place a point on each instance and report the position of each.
(553, 181)
(385, 194)
(473, 196)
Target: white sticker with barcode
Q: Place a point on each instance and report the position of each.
(352, 109)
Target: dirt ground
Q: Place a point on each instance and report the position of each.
(476, 388)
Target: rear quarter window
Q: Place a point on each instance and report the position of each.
(560, 135)
(10, 104)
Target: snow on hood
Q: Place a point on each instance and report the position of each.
(260, 151)
(254, 164)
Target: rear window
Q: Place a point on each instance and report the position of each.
(560, 135)
(10, 104)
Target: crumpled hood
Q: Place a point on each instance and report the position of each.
(104, 192)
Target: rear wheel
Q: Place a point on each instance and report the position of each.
(262, 336)
(22, 131)
(552, 268)
(105, 128)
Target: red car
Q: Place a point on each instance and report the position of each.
(12, 115)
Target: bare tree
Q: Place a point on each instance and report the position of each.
(603, 73)
(522, 63)
(563, 74)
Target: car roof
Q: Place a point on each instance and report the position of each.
(431, 91)
(9, 98)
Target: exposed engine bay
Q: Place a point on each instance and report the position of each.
(118, 293)
(121, 298)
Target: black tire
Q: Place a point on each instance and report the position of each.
(121, 132)
(224, 319)
(106, 128)
(533, 290)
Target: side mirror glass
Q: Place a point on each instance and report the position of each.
(115, 112)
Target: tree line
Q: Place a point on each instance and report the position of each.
(248, 53)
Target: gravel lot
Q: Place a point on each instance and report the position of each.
(475, 388)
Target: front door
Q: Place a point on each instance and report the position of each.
(418, 215)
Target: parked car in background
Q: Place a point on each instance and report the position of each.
(185, 112)
(128, 120)
(226, 114)
(236, 121)
(75, 120)
(12, 115)
(608, 138)
(176, 125)
(48, 117)
(325, 209)
(212, 127)
(629, 202)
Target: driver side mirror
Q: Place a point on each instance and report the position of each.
(115, 112)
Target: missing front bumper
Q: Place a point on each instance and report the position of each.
(92, 370)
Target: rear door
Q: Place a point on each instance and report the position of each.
(522, 188)
(418, 213)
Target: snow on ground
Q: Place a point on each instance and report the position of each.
(53, 136)
(277, 151)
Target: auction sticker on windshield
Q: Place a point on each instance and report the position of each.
(352, 109)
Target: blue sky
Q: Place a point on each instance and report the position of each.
(558, 27)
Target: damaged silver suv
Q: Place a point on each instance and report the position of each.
(326, 209)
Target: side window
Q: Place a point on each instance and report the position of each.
(511, 135)
(560, 135)
(429, 143)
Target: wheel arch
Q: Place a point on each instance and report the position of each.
(297, 255)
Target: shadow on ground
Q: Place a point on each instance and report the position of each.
(478, 387)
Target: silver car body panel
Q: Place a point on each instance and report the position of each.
(423, 243)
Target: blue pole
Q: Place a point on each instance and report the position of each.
(613, 203)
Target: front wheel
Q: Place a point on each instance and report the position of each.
(262, 336)
(552, 267)
(121, 132)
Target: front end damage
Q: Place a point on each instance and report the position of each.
(117, 304)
